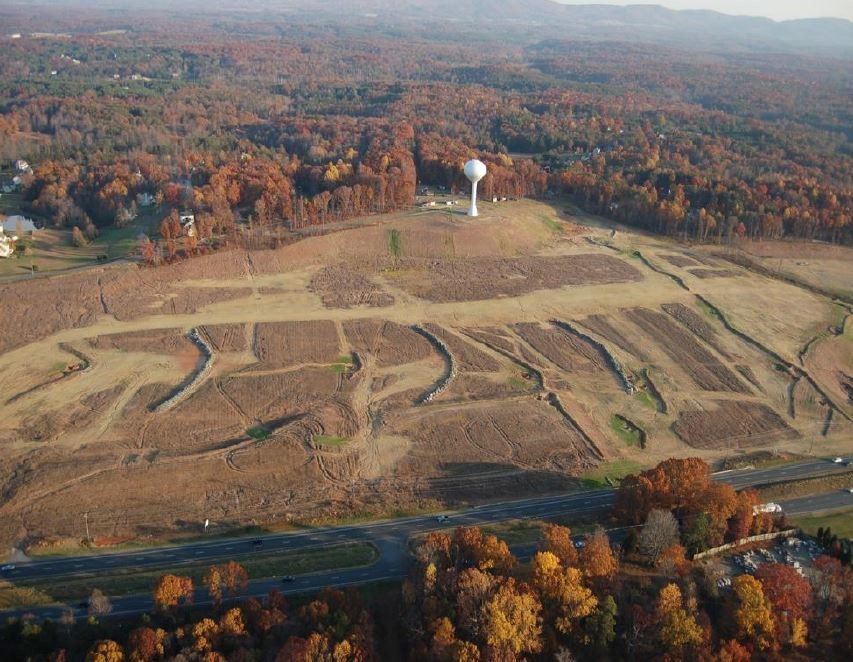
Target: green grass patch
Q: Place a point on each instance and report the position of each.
(395, 245)
(258, 432)
(615, 470)
(130, 581)
(645, 399)
(342, 365)
(20, 597)
(117, 242)
(521, 384)
(709, 312)
(841, 523)
(329, 441)
(626, 432)
(552, 224)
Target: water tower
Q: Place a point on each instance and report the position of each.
(475, 171)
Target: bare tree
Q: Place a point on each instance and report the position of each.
(99, 604)
(659, 533)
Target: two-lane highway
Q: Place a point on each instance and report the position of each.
(390, 537)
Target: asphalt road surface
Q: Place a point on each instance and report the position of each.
(389, 537)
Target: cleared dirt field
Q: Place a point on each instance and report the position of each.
(486, 277)
(279, 344)
(731, 424)
(705, 369)
(348, 373)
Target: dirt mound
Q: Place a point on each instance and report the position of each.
(280, 344)
(493, 337)
(480, 278)
(702, 366)
(227, 337)
(392, 344)
(340, 287)
(725, 424)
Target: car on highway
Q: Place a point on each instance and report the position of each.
(838, 460)
(257, 542)
(850, 490)
(7, 567)
(287, 579)
(442, 518)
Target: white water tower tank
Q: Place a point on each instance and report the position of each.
(475, 171)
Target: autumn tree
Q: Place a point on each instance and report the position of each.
(562, 589)
(511, 620)
(143, 645)
(230, 578)
(676, 629)
(753, 615)
(105, 650)
(558, 540)
(790, 595)
(596, 559)
(171, 591)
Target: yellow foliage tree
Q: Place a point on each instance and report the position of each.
(753, 615)
(206, 634)
(232, 623)
(171, 590)
(511, 620)
(676, 628)
(105, 650)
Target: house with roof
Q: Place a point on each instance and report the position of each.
(17, 225)
(188, 223)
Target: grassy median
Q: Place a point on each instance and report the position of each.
(128, 581)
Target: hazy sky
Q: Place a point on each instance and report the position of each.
(776, 9)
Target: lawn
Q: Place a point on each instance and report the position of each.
(553, 225)
(134, 580)
(615, 470)
(630, 435)
(841, 523)
(329, 441)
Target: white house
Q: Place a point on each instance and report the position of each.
(17, 224)
(144, 199)
(188, 223)
(7, 244)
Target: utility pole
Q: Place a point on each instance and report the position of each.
(86, 517)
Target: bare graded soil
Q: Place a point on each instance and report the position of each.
(698, 326)
(328, 418)
(603, 326)
(341, 287)
(390, 343)
(713, 273)
(485, 277)
(279, 344)
(561, 348)
(680, 260)
(227, 337)
(705, 369)
(158, 341)
(731, 424)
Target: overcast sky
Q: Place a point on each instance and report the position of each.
(776, 9)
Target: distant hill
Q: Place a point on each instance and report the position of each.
(647, 23)
(524, 21)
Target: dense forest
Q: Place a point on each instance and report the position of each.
(468, 598)
(287, 125)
